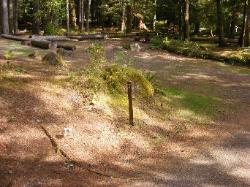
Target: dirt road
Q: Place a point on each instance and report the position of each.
(104, 154)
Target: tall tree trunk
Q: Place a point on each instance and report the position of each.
(180, 17)
(88, 14)
(5, 17)
(244, 38)
(220, 29)
(155, 15)
(197, 27)
(81, 15)
(247, 42)
(72, 14)
(233, 19)
(10, 10)
(67, 16)
(15, 16)
(129, 18)
(186, 20)
(36, 17)
(123, 21)
(1, 24)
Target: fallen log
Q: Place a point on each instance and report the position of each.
(67, 47)
(16, 38)
(88, 37)
(50, 38)
(49, 45)
(214, 40)
(43, 44)
(137, 35)
(121, 35)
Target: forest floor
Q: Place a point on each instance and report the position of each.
(101, 149)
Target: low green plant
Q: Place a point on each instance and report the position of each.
(109, 77)
(52, 29)
(197, 104)
(157, 42)
(126, 46)
(8, 55)
(96, 53)
(195, 49)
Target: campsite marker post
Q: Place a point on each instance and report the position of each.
(130, 103)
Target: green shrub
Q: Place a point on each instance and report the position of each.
(52, 29)
(96, 53)
(157, 42)
(108, 77)
(116, 77)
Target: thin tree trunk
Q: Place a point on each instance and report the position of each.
(129, 18)
(88, 15)
(72, 14)
(233, 20)
(220, 29)
(247, 42)
(244, 21)
(15, 16)
(36, 18)
(5, 17)
(81, 15)
(180, 19)
(197, 27)
(123, 21)
(10, 10)
(186, 20)
(1, 24)
(155, 15)
(67, 16)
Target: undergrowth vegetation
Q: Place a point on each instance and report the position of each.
(195, 49)
(102, 75)
(106, 80)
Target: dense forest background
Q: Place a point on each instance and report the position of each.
(183, 18)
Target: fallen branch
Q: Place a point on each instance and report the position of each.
(65, 155)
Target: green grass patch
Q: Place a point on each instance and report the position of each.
(189, 106)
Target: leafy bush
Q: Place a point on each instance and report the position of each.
(108, 77)
(186, 48)
(116, 77)
(157, 42)
(96, 53)
(52, 29)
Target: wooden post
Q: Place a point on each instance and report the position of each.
(130, 103)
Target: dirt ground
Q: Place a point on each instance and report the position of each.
(101, 149)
